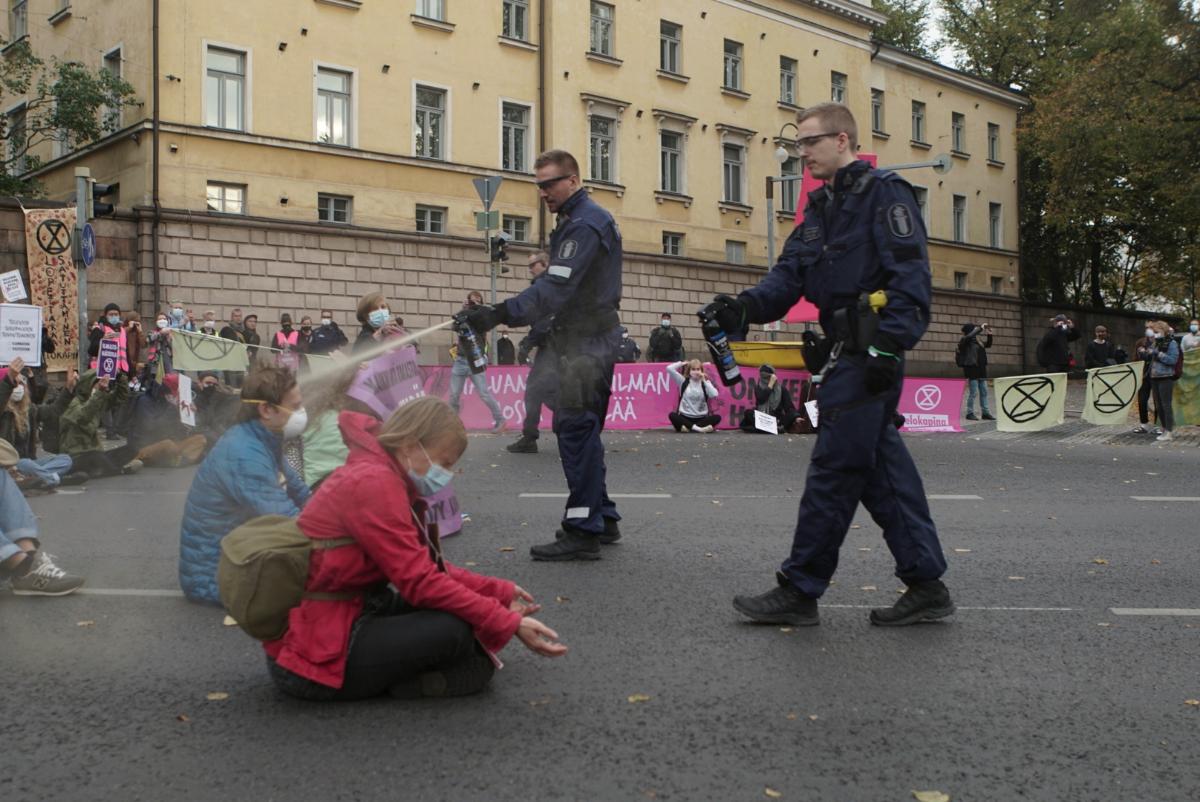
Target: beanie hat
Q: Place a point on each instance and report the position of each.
(967, 328)
(766, 369)
(112, 308)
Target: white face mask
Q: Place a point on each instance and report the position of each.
(162, 324)
(1149, 332)
(296, 424)
(325, 321)
(210, 324)
(1194, 328)
(18, 393)
(666, 323)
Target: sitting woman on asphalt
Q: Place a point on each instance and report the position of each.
(244, 476)
(18, 426)
(692, 412)
(433, 635)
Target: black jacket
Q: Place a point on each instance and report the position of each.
(326, 338)
(974, 354)
(1100, 354)
(666, 345)
(1053, 349)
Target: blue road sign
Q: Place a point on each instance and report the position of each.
(87, 245)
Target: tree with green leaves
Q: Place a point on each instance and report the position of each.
(907, 25)
(60, 102)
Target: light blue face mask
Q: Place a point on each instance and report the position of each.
(114, 320)
(378, 318)
(434, 480)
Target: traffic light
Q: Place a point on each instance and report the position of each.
(500, 247)
(97, 206)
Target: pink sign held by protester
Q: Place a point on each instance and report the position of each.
(932, 405)
(388, 382)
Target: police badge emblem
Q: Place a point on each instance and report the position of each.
(900, 221)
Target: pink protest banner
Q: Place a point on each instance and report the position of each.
(932, 405)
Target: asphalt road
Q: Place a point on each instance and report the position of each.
(1036, 690)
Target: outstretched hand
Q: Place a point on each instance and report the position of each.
(539, 638)
(522, 602)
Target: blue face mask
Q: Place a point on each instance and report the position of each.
(434, 480)
(114, 320)
(378, 318)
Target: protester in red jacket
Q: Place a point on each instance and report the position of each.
(435, 635)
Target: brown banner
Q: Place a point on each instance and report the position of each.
(52, 280)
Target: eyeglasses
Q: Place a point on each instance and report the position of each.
(809, 141)
(549, 182)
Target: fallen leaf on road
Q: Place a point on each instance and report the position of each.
(962, 551)
(658, 465)
(868, 587)
(1100, 561)
(470, 564)
(1018, 468)
(681, 462)
(539, 702)
(1156, 562)
(1016, 578)
(229, 621)
(864, 548)
(217, 696)
(86, 624)
(1104, 624)
(507, 548)
(771, 792)
(184, 717)
(930, 796)
(791, 717)
(1192, 702)
(716, 501)
(638, 697)
(562, 599)
(855, 526)
(785, 629)
(1051, 517)
(708, 554)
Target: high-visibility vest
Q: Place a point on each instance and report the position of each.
(122, 347)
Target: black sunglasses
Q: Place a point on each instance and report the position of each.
(549, 182)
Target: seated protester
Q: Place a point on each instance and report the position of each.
(771, 397)
(79, 427)
(692, 412)
(323, 449)
(157, 433)
(244, 476)
(50, 412)
(430, 636)
(24, 566)
(217, 406)
(18, 427)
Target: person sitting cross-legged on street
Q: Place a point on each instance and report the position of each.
(24, 566)
(79, 428)
(18, 427)
(397, 618)
(692, 412)
(156, 431)
(772, 398)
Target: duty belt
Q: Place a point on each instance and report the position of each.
(581, 325)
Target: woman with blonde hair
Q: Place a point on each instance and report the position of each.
(18, 425)
(692, 412)
(1164, 354)
(435, 634)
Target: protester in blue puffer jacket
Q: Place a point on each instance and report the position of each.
(244, 476)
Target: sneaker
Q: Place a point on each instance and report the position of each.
(526, 445)
(783, 604)
(500, 426)
(988, 416)
(1156, 431)
(1139, 429)
(569, 544)
(612, 533)
(44, 578)
(1165, 437)
(971, 416)
(923, 601)
(703, 429)
(133, 466)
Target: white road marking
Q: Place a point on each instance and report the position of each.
(1153, 611)
(172, 594)
(963, 609)
(1165, 498)
(933, 497)
(610, 495)
(727, 495)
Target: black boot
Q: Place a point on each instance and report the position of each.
(780, 605)
(923, 601)
(612, 532)
(569, 544)
(526, 445)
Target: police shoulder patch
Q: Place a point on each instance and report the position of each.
(568, 249)
(812, 233)
(900, 221)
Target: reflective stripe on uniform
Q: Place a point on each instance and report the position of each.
(578, 512)
(561, 272)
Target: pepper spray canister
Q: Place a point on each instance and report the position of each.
(722, 353)
(469, 345)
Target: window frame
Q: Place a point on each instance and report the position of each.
(608, 25)
(835, 85)
(18, 164)
(733, 63)
(418, 84)
(668, 43)
(878, 111)
(993, 146)
(961, 285)
(997, 283)
(247, 82)
(679, 237)
(14, 15)
(530, 133)
(958, 132)
(789, 191)
(957, 220)
(223, 186)
(789, 80)
(514, 6)
(740, 166)
(919, 127)
(422, 7)
(506, 226)
(995, 225)
(611, 137)
(351, 111)
(429, 209)
(679, 153)
(922, 208)
(333, 198)
(741, 244)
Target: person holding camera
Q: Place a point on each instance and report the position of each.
(971, 356)
(1054, 349)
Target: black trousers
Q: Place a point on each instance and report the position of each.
(1144, 402)
(681, 421)
(785, 421)
(388, 648)
(103, 463)
(541, 389)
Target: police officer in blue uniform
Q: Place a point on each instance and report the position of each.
(862, 232)
(541, 383)
(582, 289)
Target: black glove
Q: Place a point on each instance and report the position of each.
(483, 318)
(883, 365)
(730, 314)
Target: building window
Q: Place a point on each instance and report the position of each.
(922, 196)
(960, 280)
(602, 28)
(429, 129)
(671, 162)
(514, 137)
(734, 157)
(958, 132)
(960, 218)
(603, 149)
(516, 19)
(670, 41)
(733, 64)
(432, 9)
(789, 191)
(787, 80)
(227, 198)
(877, 111)
(225, 89)
(993, 142)
(333, 106)
(18, 145)
(837, 87)
(995, 233)
(918, 121)
(431, 219)
(997, 285)
(516, 227)
(18, 23)
(333, 208)
(735, 252)
(672, 244)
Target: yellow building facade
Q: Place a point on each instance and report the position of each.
(377, 115)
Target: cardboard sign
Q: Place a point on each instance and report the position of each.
(932, 405)
(444, 511)
(388, 382)
(765, 423)
(187, 406)
(21, 334)
(813, 413)
(53, 283)
(12, 287)
(106, 363)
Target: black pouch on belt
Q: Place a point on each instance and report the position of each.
(866, 324)
(815, 351)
